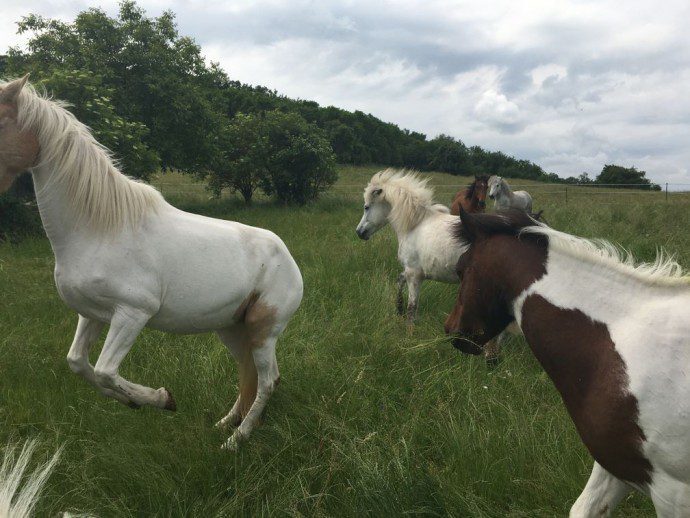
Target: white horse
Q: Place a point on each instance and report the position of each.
(426, 247)
(19, 492)
(125, 257)
(504, 198)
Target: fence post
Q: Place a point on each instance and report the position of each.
(566, 195)
(666, 191)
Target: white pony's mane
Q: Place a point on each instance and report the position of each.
(408, 194)
(16, 501)
(102, 197)
(664, 271)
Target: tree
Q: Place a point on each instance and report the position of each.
(629, 177)
(279, 152)
(244, 161)
(300, 161)
(151, 77)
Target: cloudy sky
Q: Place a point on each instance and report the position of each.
(570, 85)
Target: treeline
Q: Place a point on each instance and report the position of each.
(149, 95)
(615, 175)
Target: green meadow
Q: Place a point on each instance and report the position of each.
(370, 418)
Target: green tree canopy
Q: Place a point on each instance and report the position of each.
(630, 177)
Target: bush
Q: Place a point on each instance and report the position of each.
(281, 153)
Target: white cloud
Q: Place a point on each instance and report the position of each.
(569, 84)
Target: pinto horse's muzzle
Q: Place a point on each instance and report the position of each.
(491, 196)
(467, 344)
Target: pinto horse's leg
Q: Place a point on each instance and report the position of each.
(78, 356)
(400, 302)
(124, 329)
(601, 495)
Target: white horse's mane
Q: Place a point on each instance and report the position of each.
(16, 499)
(664, 271)
(408, 194)
(102, 197)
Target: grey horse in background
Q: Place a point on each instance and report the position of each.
(505, 198)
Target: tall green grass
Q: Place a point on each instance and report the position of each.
(369, 418)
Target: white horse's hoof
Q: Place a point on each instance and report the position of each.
(168, 399)
(233, 443)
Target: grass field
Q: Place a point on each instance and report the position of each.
(369, 419)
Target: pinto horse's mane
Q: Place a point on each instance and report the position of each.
(663, 271)
(410, 197)
(102, 197)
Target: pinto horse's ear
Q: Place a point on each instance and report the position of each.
(470, 232)
(9, 94)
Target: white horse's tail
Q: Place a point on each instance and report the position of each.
(17, 500)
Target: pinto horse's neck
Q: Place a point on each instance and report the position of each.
(577, 352)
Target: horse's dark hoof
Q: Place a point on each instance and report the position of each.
(170, 403)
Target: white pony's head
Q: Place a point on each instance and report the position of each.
(397, 197)
(494, 186)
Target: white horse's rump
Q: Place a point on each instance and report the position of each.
(499, 190)
(124, 257)
(19, 491)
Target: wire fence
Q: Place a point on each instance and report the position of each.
(558, 192)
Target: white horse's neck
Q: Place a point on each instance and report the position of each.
(55, 209)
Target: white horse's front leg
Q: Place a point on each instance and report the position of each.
(601, 495)
(124, 328)
(414, 282)
(78, 356)
(400, 303)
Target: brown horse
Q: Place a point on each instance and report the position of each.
(472, 198)
(613, 337)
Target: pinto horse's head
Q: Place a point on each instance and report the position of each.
(496, 261)
(18, 147)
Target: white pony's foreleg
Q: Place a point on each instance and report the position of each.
(414, 282)
(601, 495)
(78, 355)
(400, 302)
(124, 329)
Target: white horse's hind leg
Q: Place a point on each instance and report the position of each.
(266, 380)
(601, 495)
(78, 356)
(235, 340)
(124, 329)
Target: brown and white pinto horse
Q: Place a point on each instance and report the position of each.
(472, 198)
(613, 337)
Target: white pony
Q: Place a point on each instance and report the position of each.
(426, 247)
(17, 499)
(499, 190)
(125, 257)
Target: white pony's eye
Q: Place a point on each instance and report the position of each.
(366, 207)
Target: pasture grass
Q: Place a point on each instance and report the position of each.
(370, 418)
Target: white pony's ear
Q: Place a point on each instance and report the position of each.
(11, 91)
(376, 192)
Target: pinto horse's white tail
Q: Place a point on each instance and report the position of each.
(17, 500)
